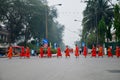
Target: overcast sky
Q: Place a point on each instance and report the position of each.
(67, 13)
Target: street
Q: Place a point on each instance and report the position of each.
(63, 68)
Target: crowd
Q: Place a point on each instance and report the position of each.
(94, 53)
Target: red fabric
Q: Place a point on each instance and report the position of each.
(76, 51)
(85, 51)
(27, 52)
(117, 51)
(9, 55)
(100, 53)
(59, 52)
(93, 52)
(67, 52)
(41, 52)
(49, 52)
(22, 52)
(109, 52)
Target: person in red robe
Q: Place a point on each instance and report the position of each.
(49, 54)
(27, 54)
(100, 52)
(67, 52)
(109, 52)
(76, 51)
(117, 52)
(59, 52)
(85, 51)
(10, 50)
(93, 51)
(41, 52)
(22, 54)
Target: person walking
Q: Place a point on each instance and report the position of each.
(10, 50)
(59, 51)
(76, 51)
(67, 52)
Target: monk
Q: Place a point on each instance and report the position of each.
(27, 54)
(22, 54)
(76, 51)
(41, 52)
(117, 52)
(93, 51)
(100, 52)
(49, 51)
(109, 52)
(59, 52)
(85, 51)
(67, 52)
(9, 55)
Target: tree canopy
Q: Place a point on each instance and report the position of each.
(26, 18)
(92, 16)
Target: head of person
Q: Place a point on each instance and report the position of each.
(66, 46)
(75, 44)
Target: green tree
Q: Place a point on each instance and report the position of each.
(108, 32)
(101, 31)
(95, 10)
(91, 39)
(117, 22)
(26, 18)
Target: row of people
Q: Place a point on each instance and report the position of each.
(23, 53)
(67, 52)
(85, 53)
(109, 51)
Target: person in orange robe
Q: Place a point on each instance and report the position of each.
(41, 52)
(22, 54)
(93, 51)
(27, 52)
(59, 52)
(117, 52)
(85, 51)
(100, 52)
(109, 52)
(49, 51)
(76, 51)
(10, 50)
(67, 52)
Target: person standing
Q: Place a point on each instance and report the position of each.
(27, 52)
(67, 52)
(93, 51)
(22, 54)
(117, 52)
(49, 51)
(85, 51)
(100, 52)
(41, 52)
(59, 51)
(10, 50)
(76, 51)
(109, 52)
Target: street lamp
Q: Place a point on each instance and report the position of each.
(46, 19)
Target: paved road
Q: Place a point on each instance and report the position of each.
(60, 68)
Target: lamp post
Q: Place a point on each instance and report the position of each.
(46, 18)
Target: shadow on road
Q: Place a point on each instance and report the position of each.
(114, 71)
